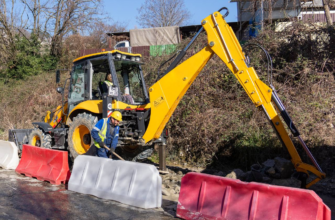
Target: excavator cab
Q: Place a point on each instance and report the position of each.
(89, 74)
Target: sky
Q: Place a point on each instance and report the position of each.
(126, 11)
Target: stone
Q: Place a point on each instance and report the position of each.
(231, 175)
(237, 174)
(270, 171)
(249, 177)
(284, 167)
(165, 192)
(166, 181)
(266, 179)
(256, 167)
(258, 176)
(240, 174)
(269, 163)
(291, 182)
(177, 189)
(180, 173)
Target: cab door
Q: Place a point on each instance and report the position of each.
(80, 84)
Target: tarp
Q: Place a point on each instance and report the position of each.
(154, 36)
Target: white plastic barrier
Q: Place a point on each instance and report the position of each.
(9, 157)
(127, 182)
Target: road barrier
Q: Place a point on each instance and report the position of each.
(211, 197)
(123, 181)
(44, 164)
(9, 157)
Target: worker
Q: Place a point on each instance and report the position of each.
(106, 133)
(108, 82)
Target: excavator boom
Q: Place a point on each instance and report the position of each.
(167, 92)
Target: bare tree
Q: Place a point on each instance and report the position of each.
(327, 12)
(162, 13)
(99, 29)
(70, 16)
(7, 30)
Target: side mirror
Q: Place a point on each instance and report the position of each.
(60, 90)
(57, 77)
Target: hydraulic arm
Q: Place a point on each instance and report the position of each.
(166, 93)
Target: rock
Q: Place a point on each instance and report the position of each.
(266, 179)
(231, 175)
(269, 163)
(177, 189)
(237, 174)
(291, 182)
(220, 173)
(165, 192)
(249, 177)
(256, 167)
(180, 173)
(284, 167)
(166, 181)
(258, 176)
(240, 174)
(270, 171)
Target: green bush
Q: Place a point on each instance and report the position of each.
(28, 60)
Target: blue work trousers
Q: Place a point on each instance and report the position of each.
(102, 152)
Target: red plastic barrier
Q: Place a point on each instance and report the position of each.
(211, 197)
(44, 164)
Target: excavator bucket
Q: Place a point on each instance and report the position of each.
(19, 136)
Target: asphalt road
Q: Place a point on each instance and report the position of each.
(28, 198)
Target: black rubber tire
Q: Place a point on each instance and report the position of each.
(44, 140)
(86, 122)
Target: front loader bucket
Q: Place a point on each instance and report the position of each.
(19, 136)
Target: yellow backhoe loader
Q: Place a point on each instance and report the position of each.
(145, 112)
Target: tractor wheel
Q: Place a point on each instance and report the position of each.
(80, 139)
(39, 139)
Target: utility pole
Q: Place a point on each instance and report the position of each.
(327, 12)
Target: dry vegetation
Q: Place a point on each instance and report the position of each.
(216, 123)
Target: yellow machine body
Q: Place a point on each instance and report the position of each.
(166, 93)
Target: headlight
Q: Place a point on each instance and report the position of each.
(137, 59)
(118, 56)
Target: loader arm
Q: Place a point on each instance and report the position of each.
(167, 92)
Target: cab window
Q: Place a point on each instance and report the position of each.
(77, 88)
(130, 82)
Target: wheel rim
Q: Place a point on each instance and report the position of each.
(36, 141)
(81, 139)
